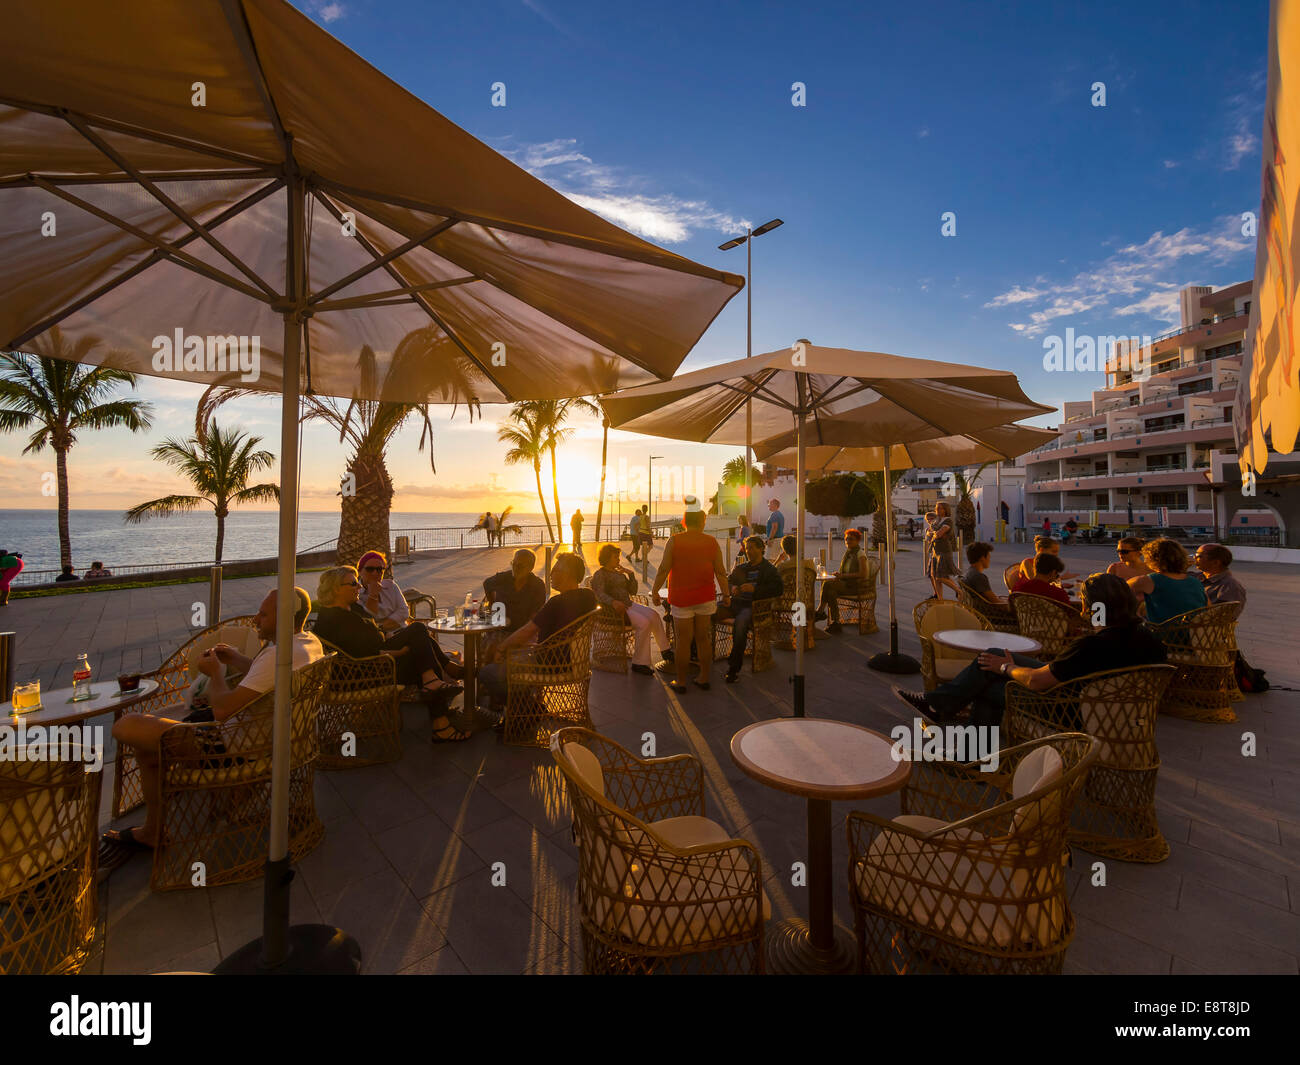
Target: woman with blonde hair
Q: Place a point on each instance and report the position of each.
(342, 622)
(1168, 590)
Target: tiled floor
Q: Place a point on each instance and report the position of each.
(406, 865)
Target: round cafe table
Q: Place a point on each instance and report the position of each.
(977, 640)
(821, 761)
(57, 707)
(472, 630)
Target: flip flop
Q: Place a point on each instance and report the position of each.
(118, 847)
(678, 687)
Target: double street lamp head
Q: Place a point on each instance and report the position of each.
(766, 227)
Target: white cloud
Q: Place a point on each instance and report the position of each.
(623, 199)
(1142, 278)
(326, 10)
(921, 133)
(1170, 164)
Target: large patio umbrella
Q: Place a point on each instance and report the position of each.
(185, 185)
(984, 445)
(1268, 391)
(812, 391)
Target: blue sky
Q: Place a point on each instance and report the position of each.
(676, 120)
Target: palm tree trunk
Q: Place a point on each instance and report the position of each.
(555, 489)
(221, 535)
(65, 538)
(363, 517)
(541, 498)
(604, 449)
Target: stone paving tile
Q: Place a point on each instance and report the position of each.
(404, 864)
(444, 962)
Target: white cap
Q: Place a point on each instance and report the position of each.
(693, 505)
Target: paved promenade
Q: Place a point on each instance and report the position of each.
(405, 863)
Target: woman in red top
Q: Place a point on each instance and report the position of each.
(692, 565)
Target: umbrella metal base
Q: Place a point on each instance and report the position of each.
(314, 949)
(886, 662)
(790, 951)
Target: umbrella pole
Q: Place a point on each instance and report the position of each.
(312, 948)
(799, 574)
(892, 662)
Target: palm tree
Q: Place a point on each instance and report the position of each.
(526, 435)
(733, 471)
(551, 414)
(503, 528)
(368, 426)
(58, 396)
(965, 516)
(604, 451)
(218, 465)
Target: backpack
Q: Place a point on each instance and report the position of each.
(1249, 680)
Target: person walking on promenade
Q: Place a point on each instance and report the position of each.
(691, 565)
(575, 523)
(936, 554)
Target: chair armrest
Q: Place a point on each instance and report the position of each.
(951, 791)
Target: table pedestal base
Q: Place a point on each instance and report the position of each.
(790, 951)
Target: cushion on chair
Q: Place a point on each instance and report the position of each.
(1041, 767)
(587, 766)
(887, 876)
(665, 925)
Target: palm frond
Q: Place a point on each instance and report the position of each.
(163, 508)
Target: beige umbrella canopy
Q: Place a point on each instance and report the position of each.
(147, 155)
(983, 445)
(183, 180)
(813, 395)
(888, 399)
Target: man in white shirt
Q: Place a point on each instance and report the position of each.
(144, 732)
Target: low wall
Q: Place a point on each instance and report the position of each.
(229, 570)
(1286, 555)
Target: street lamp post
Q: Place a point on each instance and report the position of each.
(735, 242)
(649, 488)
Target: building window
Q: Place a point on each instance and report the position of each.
(1167, 499)
(1223, 351)
(1101, 501)
(1190, 388)
(1159, 425)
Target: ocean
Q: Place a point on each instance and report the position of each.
(191, 538)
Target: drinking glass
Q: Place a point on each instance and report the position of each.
(27, 696)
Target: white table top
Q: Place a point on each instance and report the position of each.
(976, 640)
(819, 759)
(57, 707)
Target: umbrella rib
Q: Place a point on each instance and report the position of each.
(396, 275)
(120, 179)
(170, 204)
(383, 260)
(681, 265)
(134, 131)
(389, 297)
(244, 40)
(155, 256)
(170, 250)
(555, 315)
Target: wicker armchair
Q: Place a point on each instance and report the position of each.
(1052, 624)
(1201, 645)
(783, 610)
(971, 877)
(359, 720)
(547, 684)
(49, 851)
(174, 677)
(661, 888)
(760, 635)
(999, 615)
(939, 663)
(1010, 576)
(613, 637)
(859, 604)
(215, 789)
(1115, 815)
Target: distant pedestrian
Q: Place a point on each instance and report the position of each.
(11, 564)
(775, 521)
(647, 534)
(490, 527)
(66, 575)
(575, 523)
(97, 571)
(911, 528)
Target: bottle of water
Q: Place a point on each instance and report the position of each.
(81, 679)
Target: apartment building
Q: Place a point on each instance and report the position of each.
(1139, 453)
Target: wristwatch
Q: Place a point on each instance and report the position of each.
(1005, 667)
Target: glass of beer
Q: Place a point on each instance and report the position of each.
(27, 697)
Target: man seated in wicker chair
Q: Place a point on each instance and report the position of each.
(753, 578)
(218, 702)
(570, 602)
(979, 555)
(1123, 642)
(519, 590)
